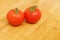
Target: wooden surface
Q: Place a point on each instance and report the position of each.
(48, 28)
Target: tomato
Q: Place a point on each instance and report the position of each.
(32, 14)
(15, 17)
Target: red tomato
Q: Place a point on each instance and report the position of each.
(15, 17)
(32, 14)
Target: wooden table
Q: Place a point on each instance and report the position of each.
(47, 28)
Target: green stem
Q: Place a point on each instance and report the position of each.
(33, 8)
(16, 10)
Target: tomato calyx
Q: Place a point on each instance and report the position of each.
(16, 10)
(33, 8)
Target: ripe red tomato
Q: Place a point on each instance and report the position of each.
(32, 14)
(15, 17)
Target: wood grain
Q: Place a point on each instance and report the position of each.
(47, 28)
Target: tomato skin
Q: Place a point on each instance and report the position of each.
(15, 19)
(32, 17)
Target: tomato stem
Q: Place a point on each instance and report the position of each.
(16, 10)
(33, 8)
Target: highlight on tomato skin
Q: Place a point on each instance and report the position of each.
(15, 17)
(32, 14)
